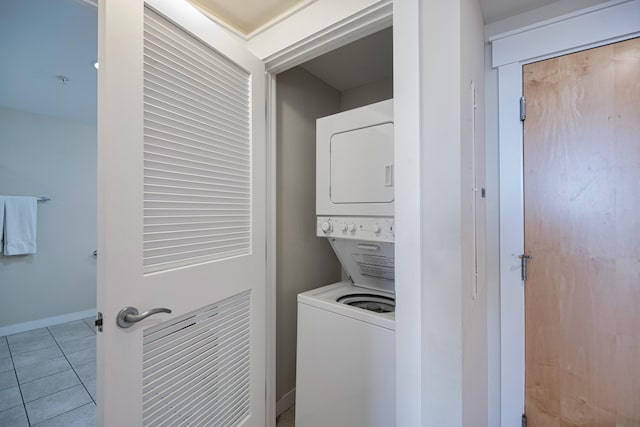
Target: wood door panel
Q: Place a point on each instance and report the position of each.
(582, 227)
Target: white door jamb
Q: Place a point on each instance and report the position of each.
(366, 22)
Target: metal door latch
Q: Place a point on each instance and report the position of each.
(98, 322)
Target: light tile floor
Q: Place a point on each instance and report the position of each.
(48, 376)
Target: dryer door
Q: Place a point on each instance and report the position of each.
(362, 165)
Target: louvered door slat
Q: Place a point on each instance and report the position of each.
(198, 321)
(172, 46)
(171, 101)
(197, 164)
(169, 109)
(195, 192)
(171, 70)
(186, 96)
(164, 373)
(189, 149)
(235, 380)
(191, 153)
(158, 161)
(161, 131)
(195, 232)
(174, 85)
(187, 226)
(168, 182)
(198, 330)
(225, 411)
(197, 150)
(182, 143)
(194, 249)
(198, 55)
(184, 40)
(154, 170)
(161, 60)
(161, 113)
(196, 367)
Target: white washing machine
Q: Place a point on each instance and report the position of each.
(346, 331)
(346, 358)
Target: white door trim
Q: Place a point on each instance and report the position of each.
(359, 25)
(565, 34)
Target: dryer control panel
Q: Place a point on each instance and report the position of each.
(376, 229)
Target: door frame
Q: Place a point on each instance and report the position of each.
(357, 26)
(559, 36)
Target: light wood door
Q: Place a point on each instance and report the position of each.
(582, 228)
(181, 158)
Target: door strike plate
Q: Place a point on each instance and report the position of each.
(98, 322)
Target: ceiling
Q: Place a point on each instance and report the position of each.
(45, 39)
(248, 15)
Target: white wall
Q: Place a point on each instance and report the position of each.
(540, 14)
(441, 200)
(493, 240)
(366, 94)
(303, 261)
(437, 52)
(45, 156)
(474, 301)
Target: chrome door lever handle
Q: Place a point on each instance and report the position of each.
(127, 316)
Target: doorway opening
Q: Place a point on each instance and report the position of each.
(48, 109)
(352, 76)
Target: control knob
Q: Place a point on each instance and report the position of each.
(326, 226)
(352, 227)
(376, 228)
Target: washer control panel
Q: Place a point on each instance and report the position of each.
(361, 228)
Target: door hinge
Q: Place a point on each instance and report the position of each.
(98, 322)
(524, 420)
(523, 108)
(524, 260)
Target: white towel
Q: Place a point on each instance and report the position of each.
(21, 216)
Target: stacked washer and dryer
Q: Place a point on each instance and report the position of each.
(346, 331)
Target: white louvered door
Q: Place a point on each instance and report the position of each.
(181, 219)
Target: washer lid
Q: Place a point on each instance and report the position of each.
(368, 264)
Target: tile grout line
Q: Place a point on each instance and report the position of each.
(15, 372)
(64, 354)
(65, 412)
(74, 372)
(73, 368)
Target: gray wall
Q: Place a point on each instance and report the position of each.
(366, 94)
(303, 261)
(45, 156)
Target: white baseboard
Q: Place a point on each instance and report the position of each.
(43, 323)
(286, 402)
